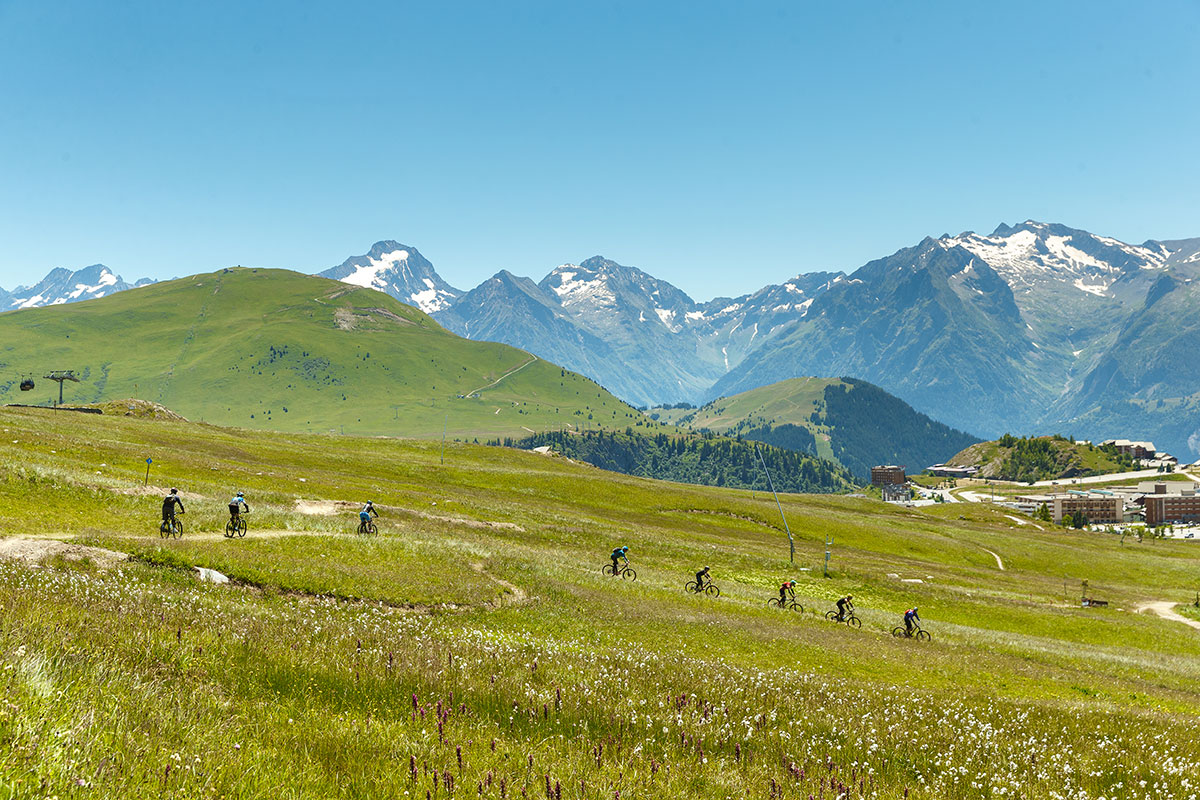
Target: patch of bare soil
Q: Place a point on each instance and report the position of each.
(35, 551)
(328, 508)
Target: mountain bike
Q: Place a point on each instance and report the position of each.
(625, 571)
(171, 528)
(708, 588)
(367, 527)
(775, 602)
(918, 633)
(849, 619)
(236, 526)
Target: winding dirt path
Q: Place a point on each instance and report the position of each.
(995, 555)
(1166, 610)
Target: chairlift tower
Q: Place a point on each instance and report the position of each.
(61, 375)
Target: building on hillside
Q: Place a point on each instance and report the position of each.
(1143, 451)
(945, 471)
(1166, 508)
(896, 493)
(1100, 507)
(888, 476)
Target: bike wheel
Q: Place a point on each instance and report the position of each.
(629, 574)
(831, 616)
(898, 631)
(177, 528)
(713, 590)
(794, 606)
(229, 529)
(371, 529)
(923, 636)
(690, 586)
(162, 532)
(608, 569)
(772, 602)
(854, 622)
(242, 528)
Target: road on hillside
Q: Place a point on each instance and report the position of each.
(1116, 476)
(1166, 610)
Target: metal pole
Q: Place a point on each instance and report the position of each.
(771, 483)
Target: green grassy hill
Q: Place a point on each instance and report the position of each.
(473, 649)
(842, 419)
(1041, 458)
(274, 349)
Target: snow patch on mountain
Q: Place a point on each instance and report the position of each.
(61, 286)
(369, 275)
(400, 271)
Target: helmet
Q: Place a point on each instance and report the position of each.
(240, 493)
(174, 491)
(706, 569)
(624, 547)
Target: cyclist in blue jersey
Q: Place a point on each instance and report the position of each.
(621, 553)
(236, 505)
(364, 516)
(910, 617)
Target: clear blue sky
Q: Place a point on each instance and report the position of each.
(720, 147)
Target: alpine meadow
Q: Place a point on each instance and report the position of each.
(472, 648)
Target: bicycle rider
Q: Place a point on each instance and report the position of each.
(843, 605)
(911, 617)
(787, 590)
(364, 516)
(621, 553)
(168, 508)
(236, 505)
(702, 579)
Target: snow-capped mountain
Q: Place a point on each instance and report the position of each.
(398, 270)
(1034, 327)
(62, 285)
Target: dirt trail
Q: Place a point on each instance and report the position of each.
(328, 508)
(518, 594)
(35, 551)
(996, 556)
(1166, 610)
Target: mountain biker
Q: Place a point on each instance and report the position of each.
(910, 617)
(236, 504)
(845, 604)
(168, 508)
(622, 553)
(364, 516)
(786, 589)
(701, 579)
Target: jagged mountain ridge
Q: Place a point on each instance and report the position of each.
(1015, 330)
(400, 271)
(62, 285)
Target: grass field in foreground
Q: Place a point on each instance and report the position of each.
(473, 648)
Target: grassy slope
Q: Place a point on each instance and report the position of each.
(277, 350)
(584, 682)
(791, 401)
(1071, 458)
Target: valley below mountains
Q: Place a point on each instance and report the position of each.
(1034, 328)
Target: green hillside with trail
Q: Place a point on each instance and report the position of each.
(274, 349)
(472, 648)
(842, 419)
